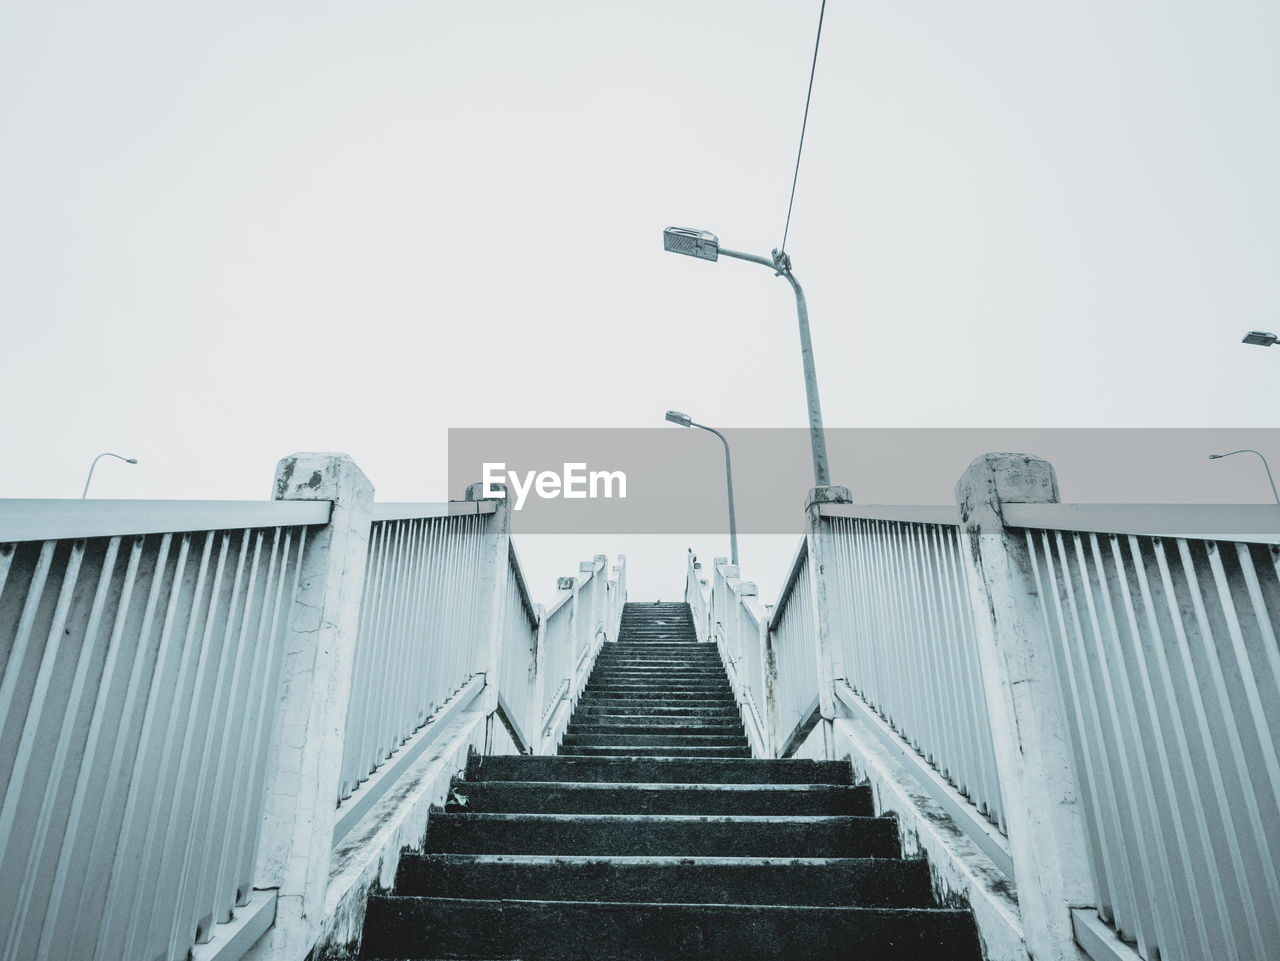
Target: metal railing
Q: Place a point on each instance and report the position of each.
(792, 631)
(736, 624)
(518, 668)
(419, 629)
(1154, 627)
(1170, 672)
(587, 612)
(902, 615)
(135, 717)
(174, 682)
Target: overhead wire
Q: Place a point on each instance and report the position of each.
(808, 96)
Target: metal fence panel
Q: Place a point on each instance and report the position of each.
(134, 725)
(1170, 671)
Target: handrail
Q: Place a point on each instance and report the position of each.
(405, 511)
(41, 519)
(518, 570)
(903, 513)
(793, 572)
(1250, 523)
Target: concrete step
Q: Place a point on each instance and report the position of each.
(622, 732)
(632, 709)
(649, 725)
(648, 668)
(593, 695)
(862, 882)
(654, 740)
(659, 681)
(398, 927)
(668, 835)
(646, 689)
(659, 673)
(630, 750)
(572, 797)
(655, 706)
(517, 767)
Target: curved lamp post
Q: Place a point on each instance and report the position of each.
(1266, 466)
(127, 460)
(684, 420)
(706, 246)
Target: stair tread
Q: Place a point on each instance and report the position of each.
(654, 834)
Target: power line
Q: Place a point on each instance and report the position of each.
(804, 123)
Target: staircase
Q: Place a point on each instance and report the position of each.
(654, 835)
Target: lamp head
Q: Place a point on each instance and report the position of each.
(1261, 338)
(131, 460)
(692, 243)
(1216, 456)
(678, 417)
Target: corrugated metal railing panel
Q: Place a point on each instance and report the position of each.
(750, 653)
(1171, 678)
(558, 638)
(517, 672)
(794, 639)
(417, 639)
(903, 617)
(136, 704)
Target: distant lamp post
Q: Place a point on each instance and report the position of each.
(127, 460)
(684, 420)
(1266, 466)
(706, 246)
(1260, 338)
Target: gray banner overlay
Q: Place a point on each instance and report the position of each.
(675, 477)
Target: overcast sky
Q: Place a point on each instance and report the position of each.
(233, 231)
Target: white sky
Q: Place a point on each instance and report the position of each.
(239, 230)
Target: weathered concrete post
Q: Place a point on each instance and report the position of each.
(1043, 808)
(311, 710)
(826, 616)
(491, 593)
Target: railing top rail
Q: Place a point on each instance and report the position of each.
(40, 519)
(802, 552)
(564, 598)
(405, 511)
(911, 514)
(518, 570)
(1253, 523)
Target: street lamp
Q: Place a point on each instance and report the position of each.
(684, 420)
(706, 246)
(1249, 450)
(127, 460)
(1260, 338)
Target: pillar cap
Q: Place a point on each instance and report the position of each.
(831, 494)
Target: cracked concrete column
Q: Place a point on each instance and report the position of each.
(311, 705)
(826, 616)
(1043, 809)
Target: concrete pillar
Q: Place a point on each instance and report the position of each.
(311, 707)
(829, 660)
(1043, 808)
